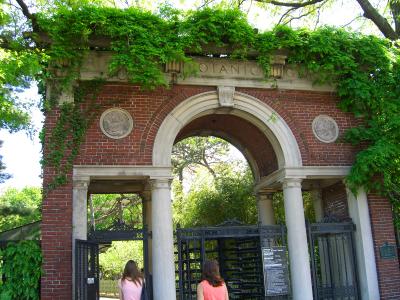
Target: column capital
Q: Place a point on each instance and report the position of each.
(264, 196)
(291, 183)
(160, 183)
(81, 183)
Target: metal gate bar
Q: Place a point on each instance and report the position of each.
(238, 250)
(86, 270)
(333, 261)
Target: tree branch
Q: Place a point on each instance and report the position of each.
(371, 13)
(28, 15)
(395, 9)
(293, 4)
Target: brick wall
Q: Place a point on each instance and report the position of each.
(383, 231)
(334, 199)
(148, 109)
(298, 109)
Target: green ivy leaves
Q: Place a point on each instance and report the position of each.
(20, 266)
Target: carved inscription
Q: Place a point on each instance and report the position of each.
(229, 69)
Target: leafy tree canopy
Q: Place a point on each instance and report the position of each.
(211, 201)
(107, 210)
(19, 207)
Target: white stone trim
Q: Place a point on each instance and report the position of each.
(300, 273)
(299, 84)
(79, 217)
(332, 135)
(265, 209)
(364, 244)
(305, 172)
(247, 107)
(95, 65)
(120, 172)
(122, 111)
(225, 95)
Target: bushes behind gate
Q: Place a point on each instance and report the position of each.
(20, 269)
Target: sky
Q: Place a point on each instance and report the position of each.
(21, 155)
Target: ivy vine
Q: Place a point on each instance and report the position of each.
(365, 69)
(20, 267)
(66, 137)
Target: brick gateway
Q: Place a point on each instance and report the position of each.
(287, 129)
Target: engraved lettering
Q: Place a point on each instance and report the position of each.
(235, 69)
(223, 69)
(203, 67)
(254, 71)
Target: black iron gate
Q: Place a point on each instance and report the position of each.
(333, 261)
(86, 270)
(87, 259)
(239, 251)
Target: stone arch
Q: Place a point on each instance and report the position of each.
(245, 106)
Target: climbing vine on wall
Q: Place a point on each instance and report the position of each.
(365, 69)
(64, 141)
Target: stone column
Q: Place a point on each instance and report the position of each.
(79, 209)
(297, 240)
(146, 200)
(79, 218)
(265, 209)
(367, 274)
(163, 243)
(316, 196)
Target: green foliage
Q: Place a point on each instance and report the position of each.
(198, 151)
(19, 207)
(141, 41)
(21, 268)
(211, 202)
(108, 209)
(113, 260)
(218, 27)
(17, 70)
(279, 208)
(63, 144)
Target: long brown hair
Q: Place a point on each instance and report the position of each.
(211, 273)
(132, 272)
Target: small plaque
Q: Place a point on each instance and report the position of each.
(325, 129)
(387, 251)
(276, 273)
(90, 280)
(116, 123)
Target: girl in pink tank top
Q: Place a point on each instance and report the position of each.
(212, 286)
(130, 285)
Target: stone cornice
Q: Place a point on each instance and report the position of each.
(306, 172)
(214, 72)
(121, 172)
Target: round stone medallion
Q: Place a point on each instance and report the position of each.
(325, 129)
(116, 123)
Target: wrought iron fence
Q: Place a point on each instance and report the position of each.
(239, 250)
(333, 261)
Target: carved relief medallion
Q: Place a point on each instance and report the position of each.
(116, 123)
(325, 129)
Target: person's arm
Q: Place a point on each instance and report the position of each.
(200, 295)
(226, 293)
